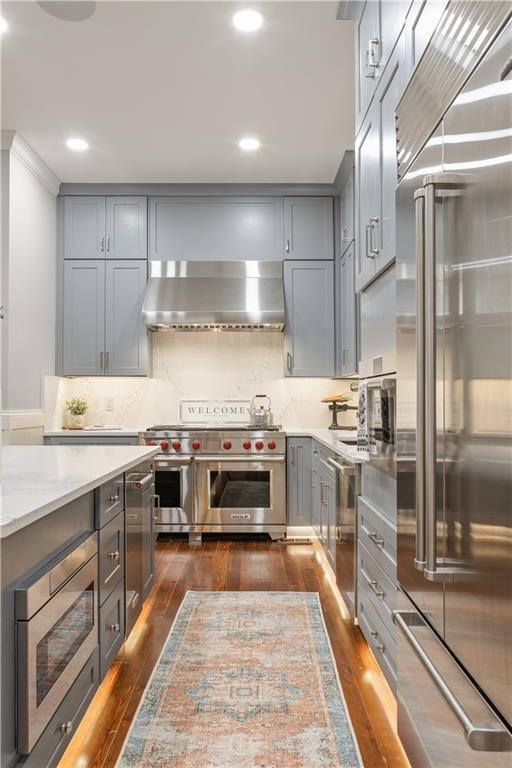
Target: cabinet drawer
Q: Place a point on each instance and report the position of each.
(378, 536)
(111, 627)
(109, 500)
(53, 742)
(111, 556)
(380, 641)
(377, 586)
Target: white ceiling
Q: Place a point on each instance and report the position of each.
(164, 90)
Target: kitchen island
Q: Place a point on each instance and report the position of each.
(63, 589)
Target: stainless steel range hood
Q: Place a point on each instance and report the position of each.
(214, 295)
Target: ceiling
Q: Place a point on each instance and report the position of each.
(163, 91)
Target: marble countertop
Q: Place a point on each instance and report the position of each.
(333, 440)
(98, 432)
(38, 479)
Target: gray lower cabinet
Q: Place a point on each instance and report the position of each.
(298, 480)
(111, 627)
(308, 228)
(309, 326)
(215, 228)
(97, 227)
(102, 329)
(126, 338)
(54, 741)
(346, 315)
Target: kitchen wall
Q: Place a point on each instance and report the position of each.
(199, 365)
(29, 191)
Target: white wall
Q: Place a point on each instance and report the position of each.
(202, 366)
(28, 279)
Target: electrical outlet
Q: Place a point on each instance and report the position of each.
(109, 403)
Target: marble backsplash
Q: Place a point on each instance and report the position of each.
(202, 366)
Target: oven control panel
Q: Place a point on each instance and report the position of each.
(228, 443)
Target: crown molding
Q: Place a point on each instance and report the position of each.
(12, 142)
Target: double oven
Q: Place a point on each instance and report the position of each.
(57, 632)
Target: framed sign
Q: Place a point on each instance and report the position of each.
(212, 411)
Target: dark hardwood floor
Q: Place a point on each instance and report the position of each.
(235, 565)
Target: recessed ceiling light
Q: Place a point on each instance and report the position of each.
(79, 145)
(3, 25)
(249, 144)
(248, 20)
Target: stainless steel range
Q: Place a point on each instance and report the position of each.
(214, 478)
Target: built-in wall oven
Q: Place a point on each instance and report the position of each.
(57, 631)
(241, 494)
(174, 510)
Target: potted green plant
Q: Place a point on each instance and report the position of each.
(77, 407)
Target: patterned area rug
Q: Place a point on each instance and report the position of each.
(245, 680)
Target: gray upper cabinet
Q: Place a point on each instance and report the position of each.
(345, 183)
(84, 228)
(126, 340)
(105, 227)
(102, 328)
(84, 318)
(215, 228)
(308, 228)
(298, 479)
(126, 227)
(346, 315)
(376, 176)
(309, 328)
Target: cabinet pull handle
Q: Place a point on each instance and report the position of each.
(102, 244)
(114, 556)
(374, 586)
(378, 540)
(371, 56)
(345, 234)
(114, 499)
(373, 251)
(114, 627)
(106, 362)
(66, 727)
(289, 362)
(367, 240)
(108, 244)
(102, 361)
(287, 246)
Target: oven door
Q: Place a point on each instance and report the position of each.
(174, 509)
(53, 647)
(241, 492)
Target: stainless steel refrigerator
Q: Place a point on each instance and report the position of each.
(454, 394)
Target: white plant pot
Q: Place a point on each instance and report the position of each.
(75, 421)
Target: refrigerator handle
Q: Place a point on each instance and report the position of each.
(435, 186)
(488, 735)
(419, 201)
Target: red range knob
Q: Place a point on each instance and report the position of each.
(272, 445)
(247, 445)
(226, 445)
(164, 445)
(176, 445)
(258, 445)
(196, 445)
(151, 442)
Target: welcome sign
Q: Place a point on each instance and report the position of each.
(214, 411)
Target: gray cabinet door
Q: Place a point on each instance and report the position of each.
(392, 19)
(84, 228)
(308, 228)
(347, 211)
(420, 25)
(84, 318)
(309, 327)
(346, 317)
(368, 197)
(387, 97)
(299, 498)
(215, 228)
(126, 228)
(125, 335)
(368, 45)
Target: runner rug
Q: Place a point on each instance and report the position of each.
(245, 680)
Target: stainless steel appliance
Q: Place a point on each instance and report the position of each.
(347, 490)
(57, 631)
(140, 514)
(233, 476)
(206, 295)
(454, 267)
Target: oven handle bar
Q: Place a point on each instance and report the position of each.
(252, 457)
(172, 461)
